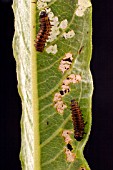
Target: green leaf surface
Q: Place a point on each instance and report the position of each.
(49, 80)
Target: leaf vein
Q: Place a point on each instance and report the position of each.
(56, 132)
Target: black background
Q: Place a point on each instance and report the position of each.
(99, 149)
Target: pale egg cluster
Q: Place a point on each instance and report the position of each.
(56, 25)
(82, 6)
(52, 49)
(69, 34)
(41, 5)
(63, 24)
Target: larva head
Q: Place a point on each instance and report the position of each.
(73, 101)
(43, 14)
(78, 136)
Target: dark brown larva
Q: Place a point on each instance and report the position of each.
(44, 31)
(78, 121)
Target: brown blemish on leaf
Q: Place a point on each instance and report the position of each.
(33, 2)
(80, 50)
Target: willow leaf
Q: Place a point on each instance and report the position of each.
(49, 80)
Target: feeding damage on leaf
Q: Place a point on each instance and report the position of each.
(66, 62)
(81, 168)
(65, 89)
(70, 156)
(58, 103)
(66, 134)
(65, 65)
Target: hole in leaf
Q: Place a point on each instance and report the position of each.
(61, 92)
(67, 59)
(69, 147)
(82, 168)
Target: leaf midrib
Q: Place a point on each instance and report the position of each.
(35, 102)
